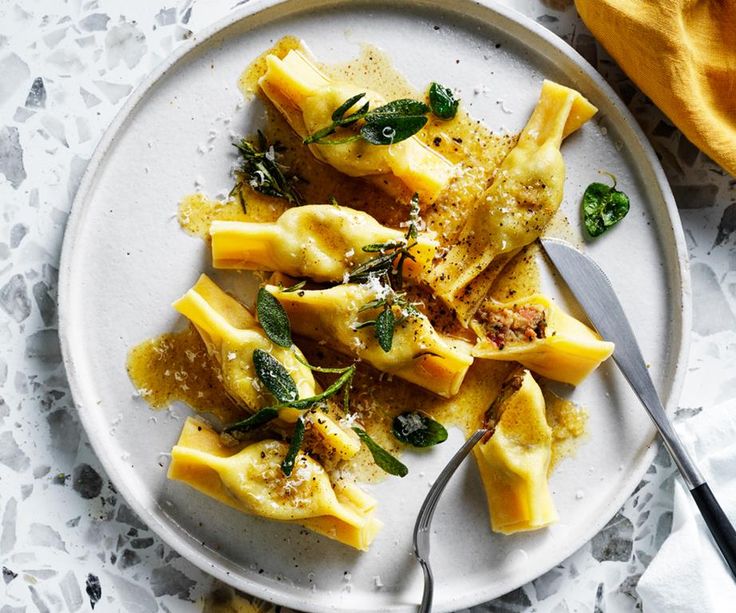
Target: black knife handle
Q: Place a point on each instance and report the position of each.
(717, 522)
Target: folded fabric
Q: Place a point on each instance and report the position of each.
(688, 573)
(682, 54)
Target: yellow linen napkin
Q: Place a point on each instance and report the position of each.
(682, 54)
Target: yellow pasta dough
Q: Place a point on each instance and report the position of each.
(535, 332)
(419, 353)
(307, 98)
(514, 461)
(372, 321)
(231, 335)
(320, 241)
(250, 479)
(514, 210)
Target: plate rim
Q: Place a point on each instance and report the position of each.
(167, 531)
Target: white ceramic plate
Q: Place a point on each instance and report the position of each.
(125, 260)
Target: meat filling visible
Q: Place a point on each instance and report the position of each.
(515, 325)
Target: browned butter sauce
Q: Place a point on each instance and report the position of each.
(175, 366)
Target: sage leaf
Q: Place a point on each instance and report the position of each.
(442, 101)
(391, 123)
(603, 207)
(273, 318)
(385, 323)
(254, 421)
(338, 384)
(418, 429)
(381, 457)
(296, 444)
(403, 107)
(274, 376)
(390, 129)
(339, 120)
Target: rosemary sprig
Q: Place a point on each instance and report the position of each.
(260, 170)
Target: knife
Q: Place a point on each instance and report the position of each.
(594, 292)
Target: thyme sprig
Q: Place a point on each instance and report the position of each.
(388, 268)
(262, 173)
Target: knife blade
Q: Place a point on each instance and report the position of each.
(593, 290)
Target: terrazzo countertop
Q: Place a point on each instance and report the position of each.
(68, 542)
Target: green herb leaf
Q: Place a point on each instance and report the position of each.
(385, 323)
(320, 134)
(382, 247)
(603, 206)
(294, 288)
(442, 101)
(273, 318)
(375, 267)
(254, 421)
(390, 129)
(418, 429)
(340, 111)
(301, 360)
(373, 304)
(382, 457)
(391, 123)
(260, 170)
(364, 324)
(338, 384)
(274, 376)
(414, 219)
(403, 107)
(339, 120)
(296, 444)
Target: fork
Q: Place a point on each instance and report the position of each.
(426, 513)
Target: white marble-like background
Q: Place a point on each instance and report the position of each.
(67, 539)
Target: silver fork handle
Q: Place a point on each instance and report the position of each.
(426, 512)
(428, 593)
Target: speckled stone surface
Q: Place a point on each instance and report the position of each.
(68, 541)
